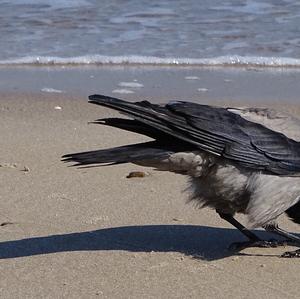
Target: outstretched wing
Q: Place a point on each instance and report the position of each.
(212, 129)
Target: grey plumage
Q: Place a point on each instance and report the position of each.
(239, 160)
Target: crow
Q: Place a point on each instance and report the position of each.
(239, 160)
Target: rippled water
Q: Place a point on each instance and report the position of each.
(92, 31)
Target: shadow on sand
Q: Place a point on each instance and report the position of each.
(208, 243)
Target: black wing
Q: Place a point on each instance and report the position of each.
(211, 129)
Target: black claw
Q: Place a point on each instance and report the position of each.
(237, 246)
(291, 254)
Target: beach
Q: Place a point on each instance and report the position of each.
(93, 232)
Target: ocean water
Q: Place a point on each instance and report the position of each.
(164, 32)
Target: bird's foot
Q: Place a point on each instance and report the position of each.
(291, 254)
(237, 246)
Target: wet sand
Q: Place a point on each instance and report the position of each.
(206, 85)
(89, 233)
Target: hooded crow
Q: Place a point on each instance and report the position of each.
(239, 160)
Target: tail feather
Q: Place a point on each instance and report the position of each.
(135, 126)
(118, 155)
(146, 122)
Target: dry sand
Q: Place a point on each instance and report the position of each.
(89, 233)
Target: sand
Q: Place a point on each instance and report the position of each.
(93, 233)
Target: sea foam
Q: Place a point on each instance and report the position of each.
(156, 61)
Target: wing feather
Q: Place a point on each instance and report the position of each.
(216, 130)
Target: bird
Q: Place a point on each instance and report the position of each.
(238, 160)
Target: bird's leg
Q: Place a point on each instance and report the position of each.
(253, 240)
(274, 228)
(229, 218)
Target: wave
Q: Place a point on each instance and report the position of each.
(156, 61)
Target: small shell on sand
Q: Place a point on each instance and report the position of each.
(51, 90)
(191, 78)
(131, 84)
(203, 89)
(124, 91)
(137, 174)
(177, 219)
